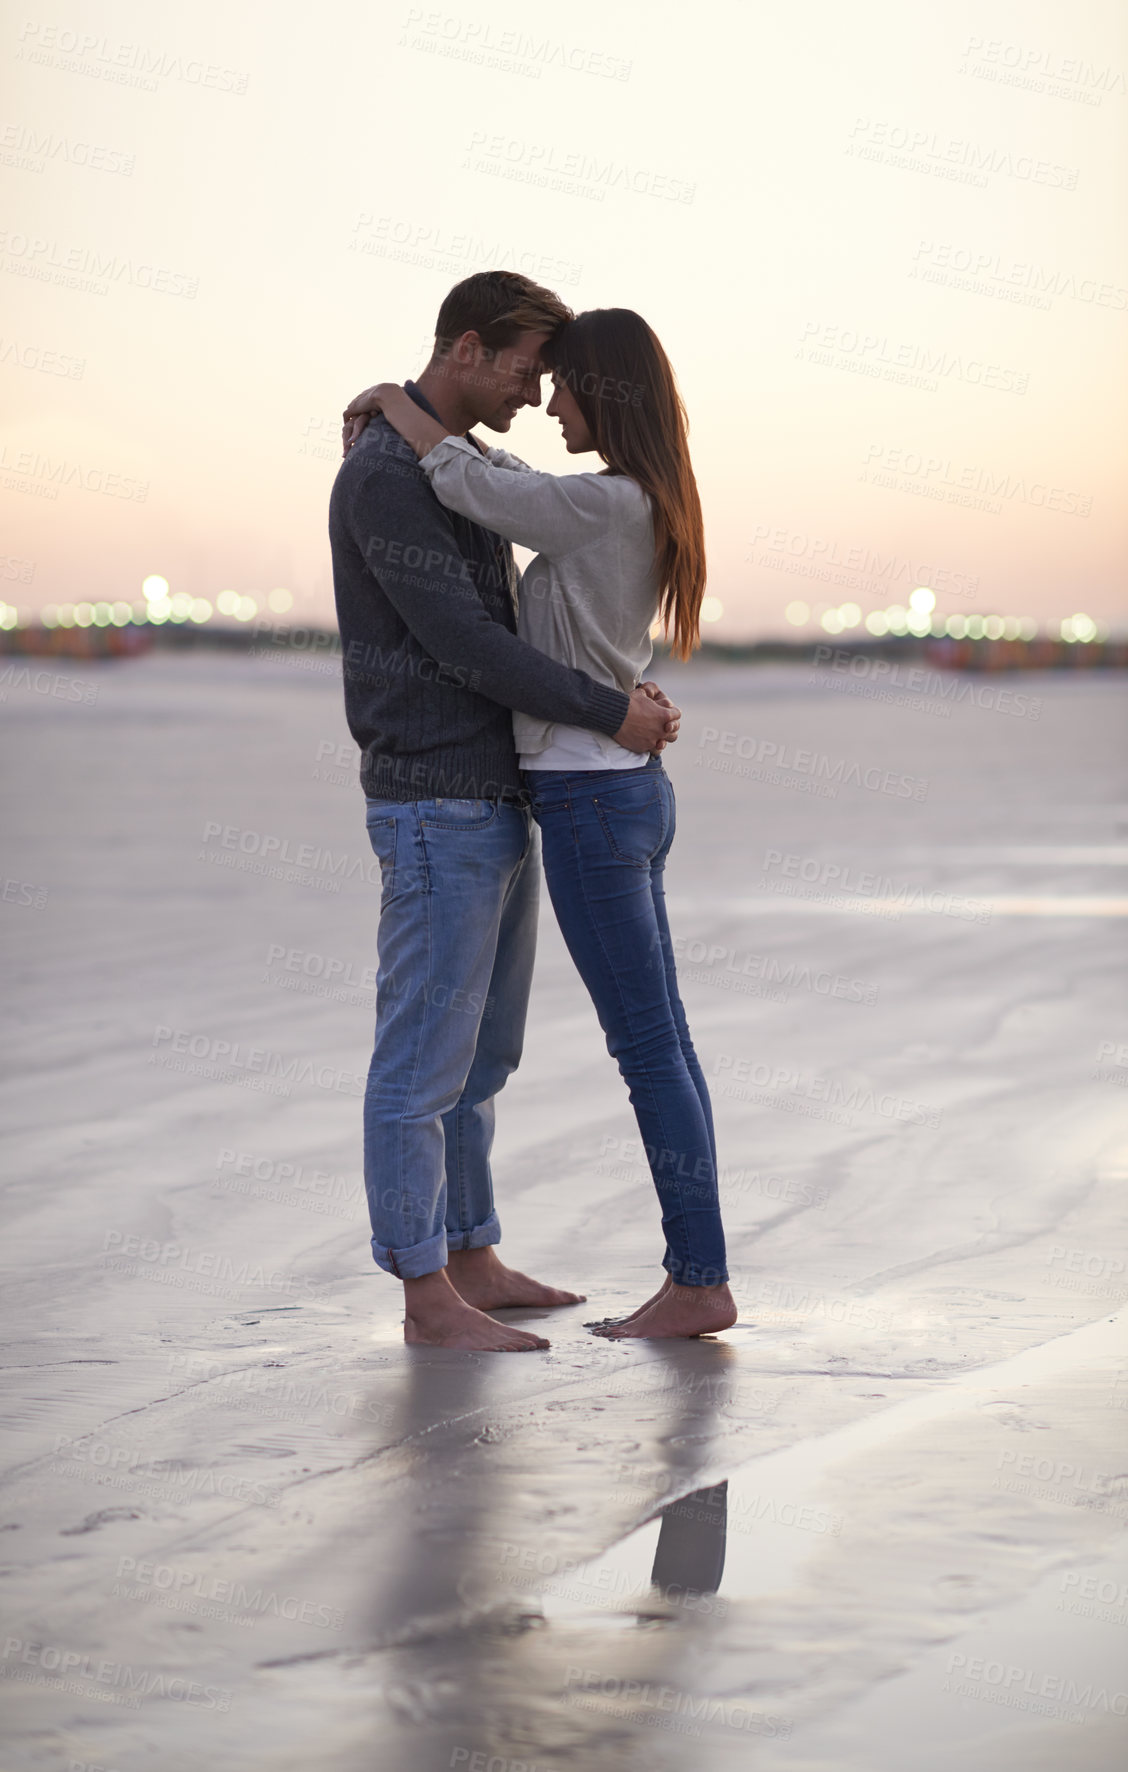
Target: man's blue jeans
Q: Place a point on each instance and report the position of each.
(458, 917)
(606, 834)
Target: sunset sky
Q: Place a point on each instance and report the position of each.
(883, 245)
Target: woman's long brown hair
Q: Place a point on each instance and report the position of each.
(623, 384)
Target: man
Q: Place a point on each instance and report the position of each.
(426, 603)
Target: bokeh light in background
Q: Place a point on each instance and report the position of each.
(889, 275)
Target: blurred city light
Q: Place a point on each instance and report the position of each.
(923, 620)
(1079, 627)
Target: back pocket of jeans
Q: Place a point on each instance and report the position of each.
(633, 820)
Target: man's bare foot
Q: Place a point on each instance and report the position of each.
(602, 1322)
(682, 1311)
(435, 1316)
(485, 1282)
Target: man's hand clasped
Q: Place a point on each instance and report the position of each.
(652, 721)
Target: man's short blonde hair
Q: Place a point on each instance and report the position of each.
(498, 306)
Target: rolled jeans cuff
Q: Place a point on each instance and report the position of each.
(479, 1238)
(427, 1257)
(412, 1263)
(691, 1273)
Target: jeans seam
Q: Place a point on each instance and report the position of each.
(459, 1147)
(630, 1025)
(459, 1125)
(427, 900)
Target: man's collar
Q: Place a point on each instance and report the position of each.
(413, 393)
(420, 399)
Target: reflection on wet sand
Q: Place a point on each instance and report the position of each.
(237, 1501)
(690, 1557)
(507, 1642)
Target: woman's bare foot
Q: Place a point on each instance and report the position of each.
(435, 1316)
(602, 1322)
(681, 1311)
(485, 1282)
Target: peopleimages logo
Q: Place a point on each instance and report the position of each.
(970, 484)
(128, 1468)
(1041, 70)
(255, 1066)
(122, 64)
(165, 1259)
(276, 857)
(714, 960)
(781, 758)
(26, 150)
(86, 268)
(134, 1683)
(771, 1082)
(493, 45)
(851, 564)
(45, 362)
(1003, 1683)
(26, 469)
(985, 271)
(660, 1705)
(874, 354)
(967, 162)
(435, 248)
(946, 688)
(53, 683)
(220, 1595)
(810, 876)
(572, 171)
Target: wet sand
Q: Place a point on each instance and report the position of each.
(880, 1524)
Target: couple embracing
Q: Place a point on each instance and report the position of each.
(491, 707)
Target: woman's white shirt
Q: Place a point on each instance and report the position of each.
(590, 596)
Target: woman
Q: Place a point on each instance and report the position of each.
(615, 549)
